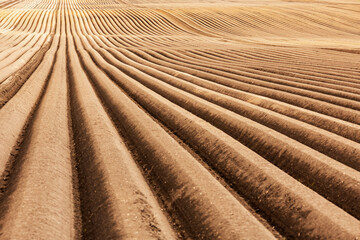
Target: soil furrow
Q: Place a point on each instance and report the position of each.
(46, 210)
(179, 119)
(133, 212)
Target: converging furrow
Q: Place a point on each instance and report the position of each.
(152, 119)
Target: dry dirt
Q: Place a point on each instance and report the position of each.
(179, 119)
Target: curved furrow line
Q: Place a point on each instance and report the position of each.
(264, 19)
(25, 43)
(233, 61)
(107, 28)
(23, 26)
(159, 30)
(13, 21)
(325, 20)
(43, 211)
(281, 57)
(162, 28)
(124, 42)
(119, 23)
(111, 23)
(12, 84)
(240, 23)
(179, 119)
(142, 25)
(324, 85)
(303, 89)
(17, 43)
(95, 22)
(171, 27)
(131, 21)
(25, 58)
(199, 22)
(197, 73)
(247, 79)
(168, 115)
(349, 81)
(255, 133)
(13, 34)
(210, 23)
(256, 24)
(7, 17)
(267, 22)
(144, 41)
(322, 54)
(151, 19)
(312, 63)
(284, 22)
(176, 176)
(345, 129)
(311, 54)
(308, 103)
(26, 97)
(187, 23)
(9, 3)
(185, 26)
(215, 22)
(147, 42)
(135, 202)
(344, 20)
(346, 77)
(19, 39)
(33, 23)
(310, 20)
(330, 144)
(338, 83)
(321, 20)
(277, 76)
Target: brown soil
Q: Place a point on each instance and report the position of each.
(154, 119)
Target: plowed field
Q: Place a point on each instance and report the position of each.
(166, 119)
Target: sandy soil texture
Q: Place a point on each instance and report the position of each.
(179, 119)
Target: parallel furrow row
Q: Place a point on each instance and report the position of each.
(127, 121)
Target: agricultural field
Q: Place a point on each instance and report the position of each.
(179, 119)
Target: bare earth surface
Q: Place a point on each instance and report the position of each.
(179, 119)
